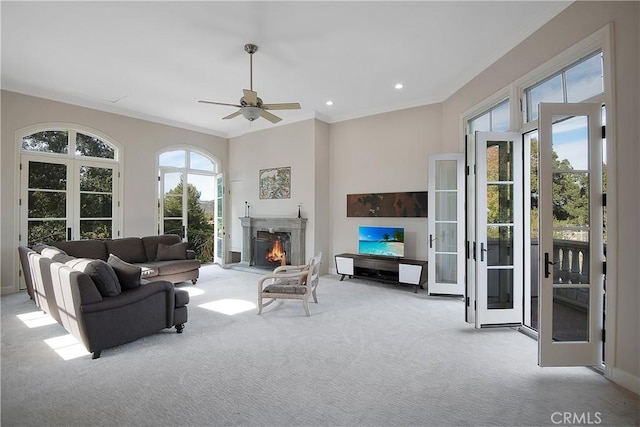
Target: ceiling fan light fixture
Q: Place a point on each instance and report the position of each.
(251, 113)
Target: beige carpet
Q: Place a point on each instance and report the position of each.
(370, 355)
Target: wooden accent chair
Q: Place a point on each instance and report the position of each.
(290, 282)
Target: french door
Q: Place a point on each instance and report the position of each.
(173, 203)
(571, 235)
(446, 224)
(498, 246)
(67, 199)
(219, 232)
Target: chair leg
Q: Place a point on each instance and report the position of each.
(96, 354)
(305, 303)
(180, 328)
(259, 305)
(315, 298)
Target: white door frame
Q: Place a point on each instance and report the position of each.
(486, 315)
(434, 219)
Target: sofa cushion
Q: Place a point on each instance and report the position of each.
(95, 249)
(171, 252)
(128, 249)
(166, 268)
(149, 270)
(101, 273)
(128, 274)
(56, 254)
(151, 243)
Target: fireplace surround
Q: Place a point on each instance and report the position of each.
(295, 226)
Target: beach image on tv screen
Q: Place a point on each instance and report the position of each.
(384, 241)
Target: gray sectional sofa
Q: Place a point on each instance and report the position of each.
(163, 257)
(103, 300)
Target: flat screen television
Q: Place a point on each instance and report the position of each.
(381, 241)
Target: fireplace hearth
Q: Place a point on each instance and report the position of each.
(255, 230)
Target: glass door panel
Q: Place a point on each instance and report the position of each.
(446, 224)
(499, 228)
(96, 201)
(201, 199)
(47, 198)
(172, 206)
(531, 238)
(218, 255)
(571, 246)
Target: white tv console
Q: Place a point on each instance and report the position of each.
(401, 271)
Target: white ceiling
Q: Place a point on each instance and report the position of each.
(155, 60)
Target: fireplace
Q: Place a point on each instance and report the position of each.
(271, 249)
(294, 228)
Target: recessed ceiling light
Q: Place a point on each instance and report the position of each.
(399, 85)
(329, 102)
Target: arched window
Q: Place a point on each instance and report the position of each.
(190, 201)
(68, 185)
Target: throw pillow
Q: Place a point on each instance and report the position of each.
(128, 274)
(171, 252)
(56, 254)
(101, 273)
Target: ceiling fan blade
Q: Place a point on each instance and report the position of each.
(250, 96)
(232, 115)
(283, 106)
(271, 117)
(220, 103)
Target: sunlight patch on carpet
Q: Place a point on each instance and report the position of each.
(193, 291)
(229, 306)
(36, 319)
(67, 347)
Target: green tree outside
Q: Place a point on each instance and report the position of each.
(201, 226)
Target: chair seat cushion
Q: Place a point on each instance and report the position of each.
(278, 288)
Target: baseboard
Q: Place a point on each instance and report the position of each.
(8, 290)
(626, 380)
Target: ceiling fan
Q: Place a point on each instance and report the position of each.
(251, 107)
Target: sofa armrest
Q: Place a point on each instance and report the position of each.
(191, 254)
(131, 297)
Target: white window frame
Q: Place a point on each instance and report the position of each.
(117, 162)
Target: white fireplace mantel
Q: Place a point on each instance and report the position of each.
(295, 226)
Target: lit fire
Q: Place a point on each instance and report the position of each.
(277, 253)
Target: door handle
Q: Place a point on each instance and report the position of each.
(547, 263)
(431, 240)
(482, 251)
(68, 233)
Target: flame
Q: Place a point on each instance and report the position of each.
(276, 253)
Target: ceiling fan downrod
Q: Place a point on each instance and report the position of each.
(250, 49)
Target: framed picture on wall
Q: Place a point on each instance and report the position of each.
(404, 204)
(275, 183)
